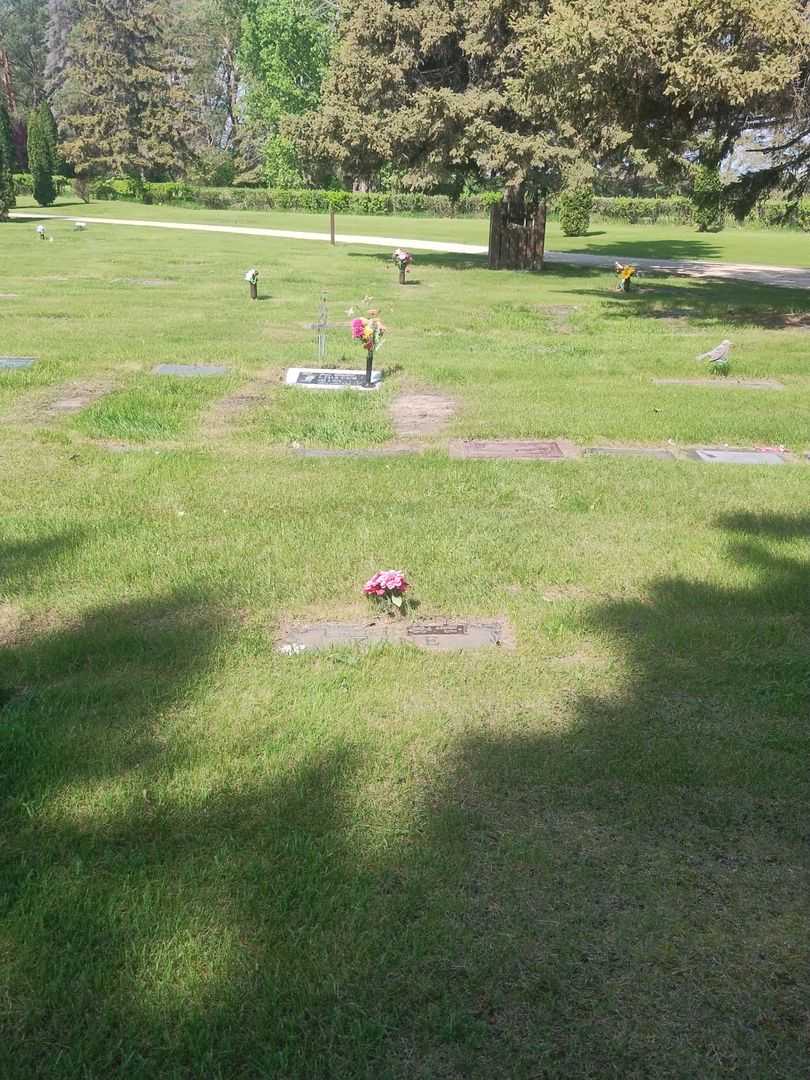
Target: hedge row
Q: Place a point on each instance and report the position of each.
(674, 210)
(24, 183)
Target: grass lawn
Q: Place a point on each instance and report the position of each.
(772, 247)
(582, 858)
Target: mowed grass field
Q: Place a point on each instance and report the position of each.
(584, 857)
(769, 247)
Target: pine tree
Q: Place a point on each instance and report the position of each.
(7, 199)
(40, 160)
(124, 107)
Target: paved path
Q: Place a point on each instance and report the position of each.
(788, 276)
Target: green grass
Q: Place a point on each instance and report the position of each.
(774, 247)
(584, 858)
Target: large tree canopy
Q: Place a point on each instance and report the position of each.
(529, 89)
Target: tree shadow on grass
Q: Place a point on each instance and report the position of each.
(634, 248)
(623, 894)
(455, 261)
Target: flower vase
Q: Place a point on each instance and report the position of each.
(254, 290)
(402, 270)
(369, 366)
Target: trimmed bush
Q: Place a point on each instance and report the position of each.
(574, 207)
(40, 159)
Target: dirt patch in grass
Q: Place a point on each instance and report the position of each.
(65, 400)
(415, 414)
(559, 315)
(148, 283)
(225, 411)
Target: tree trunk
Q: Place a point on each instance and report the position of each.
(517, 233)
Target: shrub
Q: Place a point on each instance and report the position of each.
(575, 205)
(40, 159)
(707, 195)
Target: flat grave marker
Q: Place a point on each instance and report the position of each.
(10, 362)
(509, 450)
(187, 371)
(439, 635)
(362, 452)
(629, 451)
(331, 379)
(724, 383)
(738, 457)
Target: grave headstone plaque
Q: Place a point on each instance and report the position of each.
(629, 451)
(17, 361)
(439, 635)
(739, 457)
(330, 379)
(512, 450)
(190, 370)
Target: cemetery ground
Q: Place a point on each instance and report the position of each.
(584, 856)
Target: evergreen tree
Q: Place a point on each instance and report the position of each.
(62, 18)
(7, 199)
(40, 159)
(50, 133)
(124, 105)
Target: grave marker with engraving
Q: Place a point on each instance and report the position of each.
(739, 457)
(330, 379)
(511, 450)
(440, 635)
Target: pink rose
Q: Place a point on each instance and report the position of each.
(358, 326)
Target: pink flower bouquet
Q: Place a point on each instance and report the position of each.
(387, 587)
(369, 332)
(402, 258)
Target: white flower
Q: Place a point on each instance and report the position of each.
(252, 276)
(41, 230)
(80, 226)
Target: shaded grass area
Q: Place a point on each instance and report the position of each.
(774, 247)
(583, 858)
(586, 858)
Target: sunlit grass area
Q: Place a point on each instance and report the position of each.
(770, 247)
(582, 857)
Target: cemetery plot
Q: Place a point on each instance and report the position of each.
(724, 383)
(365, 452)
(12, 362)
(509, 450)
(439, 635)
(331, 379)
(184, 371)
(421, 414)
(227, 409)
(629, 451)
(77, 396)
(739, 457)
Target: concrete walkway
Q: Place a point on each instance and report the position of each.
(787, 276)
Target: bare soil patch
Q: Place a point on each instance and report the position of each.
(415, 414)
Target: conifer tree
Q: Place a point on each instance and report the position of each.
(124, 106)
(40, 159)
(50, 133)
(7, 198)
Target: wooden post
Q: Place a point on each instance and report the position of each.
(332, 226)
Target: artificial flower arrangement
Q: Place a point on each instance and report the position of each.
(387, 588)
(625, 273)
(252, 278)
(369, 332)
(41, 232)
(403, 260)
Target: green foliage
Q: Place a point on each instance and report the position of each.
(125, 107)
(707, 196)
(7, 187)
(40, 159)
(575, 204)
(281, 165)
